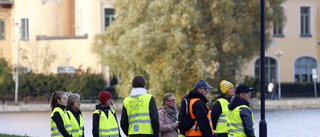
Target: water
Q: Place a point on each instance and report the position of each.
(280, 123)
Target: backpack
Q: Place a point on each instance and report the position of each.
(185, 120)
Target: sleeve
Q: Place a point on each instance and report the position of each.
(200, 111)
(162, 121)
(83, 127)
(124, 121)
(115, 116)
(58, 120)
(215, 113)
(246, 117)
(154, 116)
(95, 125)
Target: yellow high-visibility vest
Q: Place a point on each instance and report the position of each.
(221, 126)
(235, 124)
(108, 126)
(138, 114)
(77, 131)
(67, 125)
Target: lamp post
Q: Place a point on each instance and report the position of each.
(279, 54)
(263, 123)
(67, 57)
(17, 70)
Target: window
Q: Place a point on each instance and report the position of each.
(2, 29)
(270, 69)
(305, 22)
(303, 69)
(23, 70)
(24, 29)
(65, 69)
(278, 28)
(108, 17)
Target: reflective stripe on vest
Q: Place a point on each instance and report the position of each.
(234, 122)
(195, 130)
(222, 120)
(138, 114)
(108, 126)
(77, 131)
(179, 134)
(66, 122)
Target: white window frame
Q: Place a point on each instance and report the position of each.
(65, 69)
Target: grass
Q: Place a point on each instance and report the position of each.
(5, 135)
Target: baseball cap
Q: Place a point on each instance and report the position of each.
(201, 83)
(243, 88)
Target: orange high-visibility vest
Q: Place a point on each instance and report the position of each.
(195, 130)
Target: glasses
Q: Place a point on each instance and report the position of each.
(172, 100)
(249, 93)
(205, 89)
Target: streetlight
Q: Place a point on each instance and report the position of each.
(263, 123)
(17, 70)
(279, 54)
(67, 57)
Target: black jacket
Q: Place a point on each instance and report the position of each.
(76, 114)
(245, 114)
(96, 118)
(200, 111)
(154, 116)
(58, 120)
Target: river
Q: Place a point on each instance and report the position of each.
(280, 123)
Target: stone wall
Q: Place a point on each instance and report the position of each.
(298, 103)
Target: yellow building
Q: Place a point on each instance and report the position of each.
(56, 35)
(294, 51)
(61, 32)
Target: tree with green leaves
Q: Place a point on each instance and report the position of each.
(6, 79)
(174, 43)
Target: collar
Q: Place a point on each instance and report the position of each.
(244, 101)
(137, 92)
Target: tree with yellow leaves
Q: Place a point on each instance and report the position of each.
(174, 43)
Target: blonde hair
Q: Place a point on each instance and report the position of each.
(165, 98)
(54, 98)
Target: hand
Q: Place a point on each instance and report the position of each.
(177, 123)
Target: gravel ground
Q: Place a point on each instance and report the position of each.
(280, 123)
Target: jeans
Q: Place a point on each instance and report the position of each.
(274, 95)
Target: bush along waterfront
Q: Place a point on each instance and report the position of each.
(39, 87)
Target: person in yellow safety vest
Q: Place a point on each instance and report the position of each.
(200, 111)
(240, 119)
(60, 123)
(139, 116)
(168, 116)
(104, 120)
(220, 108)
(75, 116)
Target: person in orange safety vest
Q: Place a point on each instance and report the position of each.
(200, 111)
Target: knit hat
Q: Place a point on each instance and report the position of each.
(104, 96)
(243, 88)
(225, 86)
(201, 83)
